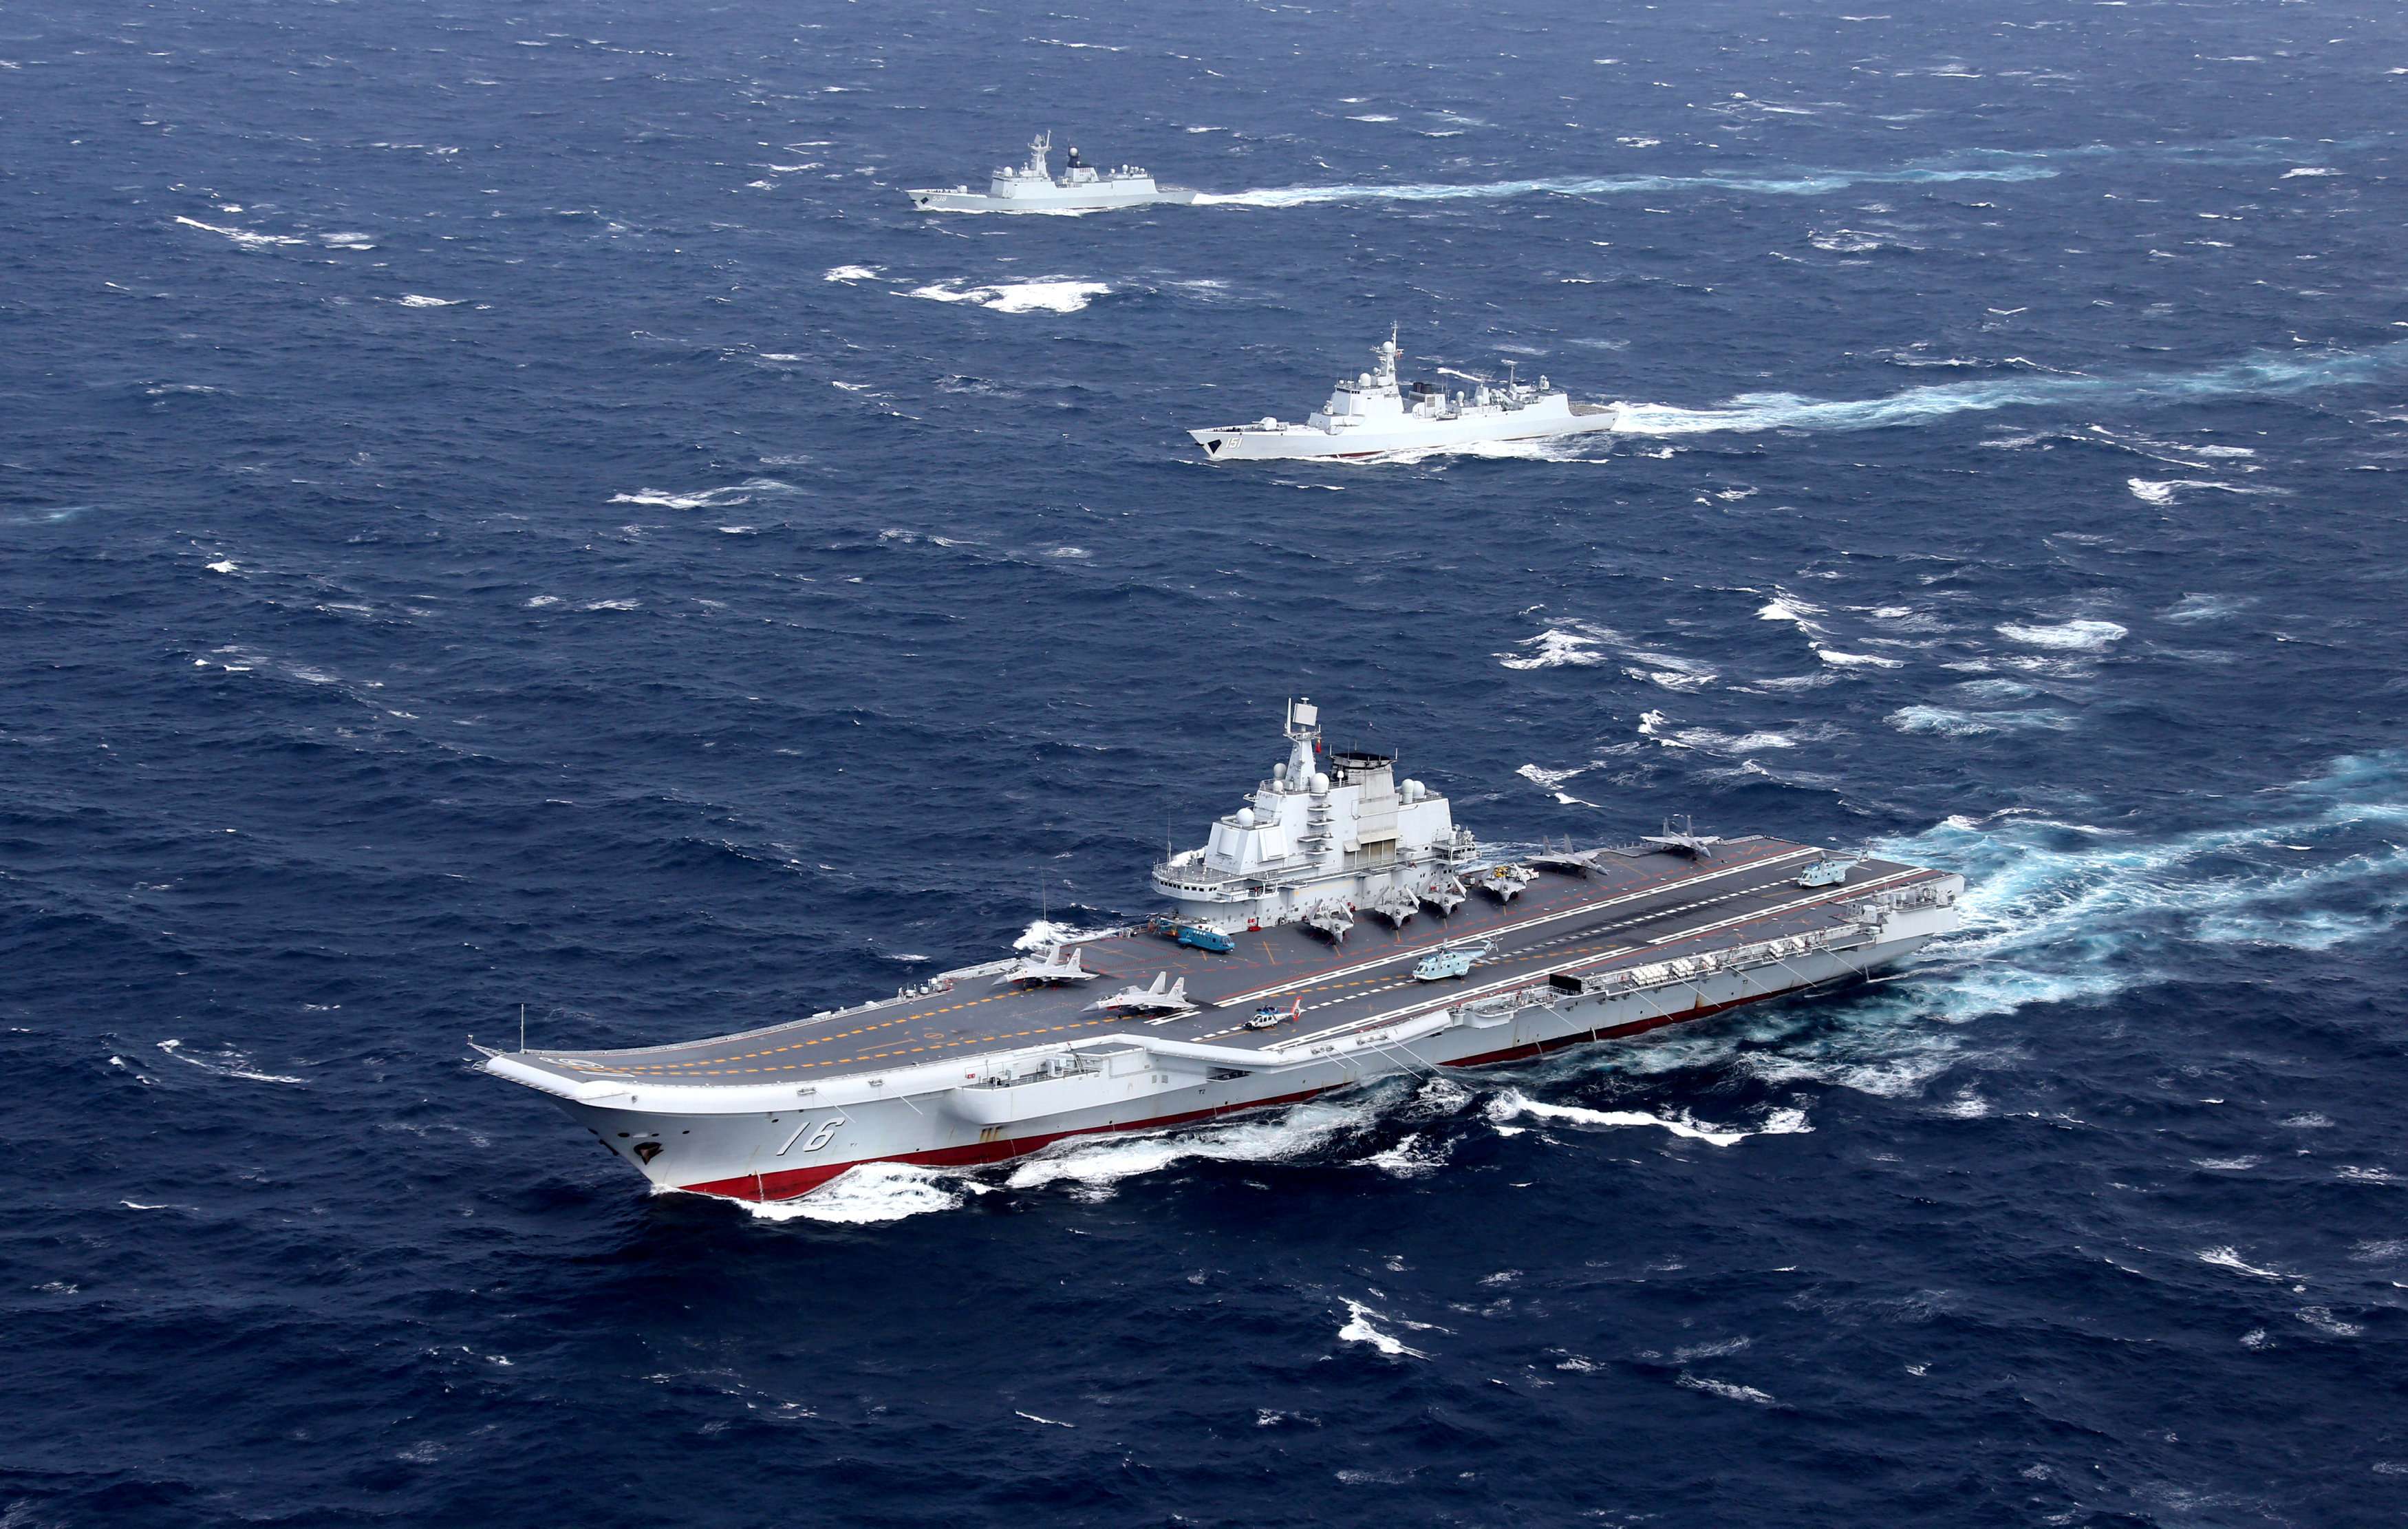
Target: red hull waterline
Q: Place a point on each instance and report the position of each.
(795, 1183)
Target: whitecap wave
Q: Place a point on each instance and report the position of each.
(2323, 1321)
(709, 498)
(2208, 607)
(248, 238)
(1414, 1156)
(1554, 648)
(227, 1062)
(2084, 636)
(1856, 660)
(1846, 241)
(1552, 782)
(1710, 742)
(1054, 295)
(2225, 1258)
(1361, 1327)
(1042, 932)
(1727, 1391)
(1951, 723)
(2163, 491)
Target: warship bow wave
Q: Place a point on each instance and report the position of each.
(1246, 996)
(1372, 414)
(1031, 188)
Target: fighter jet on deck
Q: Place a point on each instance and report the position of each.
(1164, 997)
(1050, 967)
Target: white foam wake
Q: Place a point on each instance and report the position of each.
(1512, 1103)
(1799, 183)
(1094, 1169)
(871, 1194)
(2262, 375)
(2059, 911)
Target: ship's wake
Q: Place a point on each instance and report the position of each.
(872, 1193)
(1972, 165)
(2055, 909)
(1796, 184)
(2057, 912)
(2264, 375)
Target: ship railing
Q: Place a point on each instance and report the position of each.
(1923, 894)
(1678, 971)
(1006, 1073)
(1194, 876)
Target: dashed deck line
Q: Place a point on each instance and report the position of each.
(1330, 993)
(704, 1065)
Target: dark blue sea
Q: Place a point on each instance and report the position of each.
(510, 507)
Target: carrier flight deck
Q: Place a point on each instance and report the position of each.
(1337, 928)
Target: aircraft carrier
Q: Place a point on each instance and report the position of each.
(1336, 929)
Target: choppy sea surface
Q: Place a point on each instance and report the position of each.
(508, 507)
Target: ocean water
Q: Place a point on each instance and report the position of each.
(507, 508)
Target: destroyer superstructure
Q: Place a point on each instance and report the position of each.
(1460, 959)
(1032, 188)
(1373, 414)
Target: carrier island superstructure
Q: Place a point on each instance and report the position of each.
(1296, 957)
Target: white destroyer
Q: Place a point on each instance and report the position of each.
(1032, 188)
(1372, 414)
(1592, 944)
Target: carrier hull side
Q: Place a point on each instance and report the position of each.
(769, 1153)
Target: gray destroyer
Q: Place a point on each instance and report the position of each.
(1336, 928)
(1373, 414)
(1032, 188)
